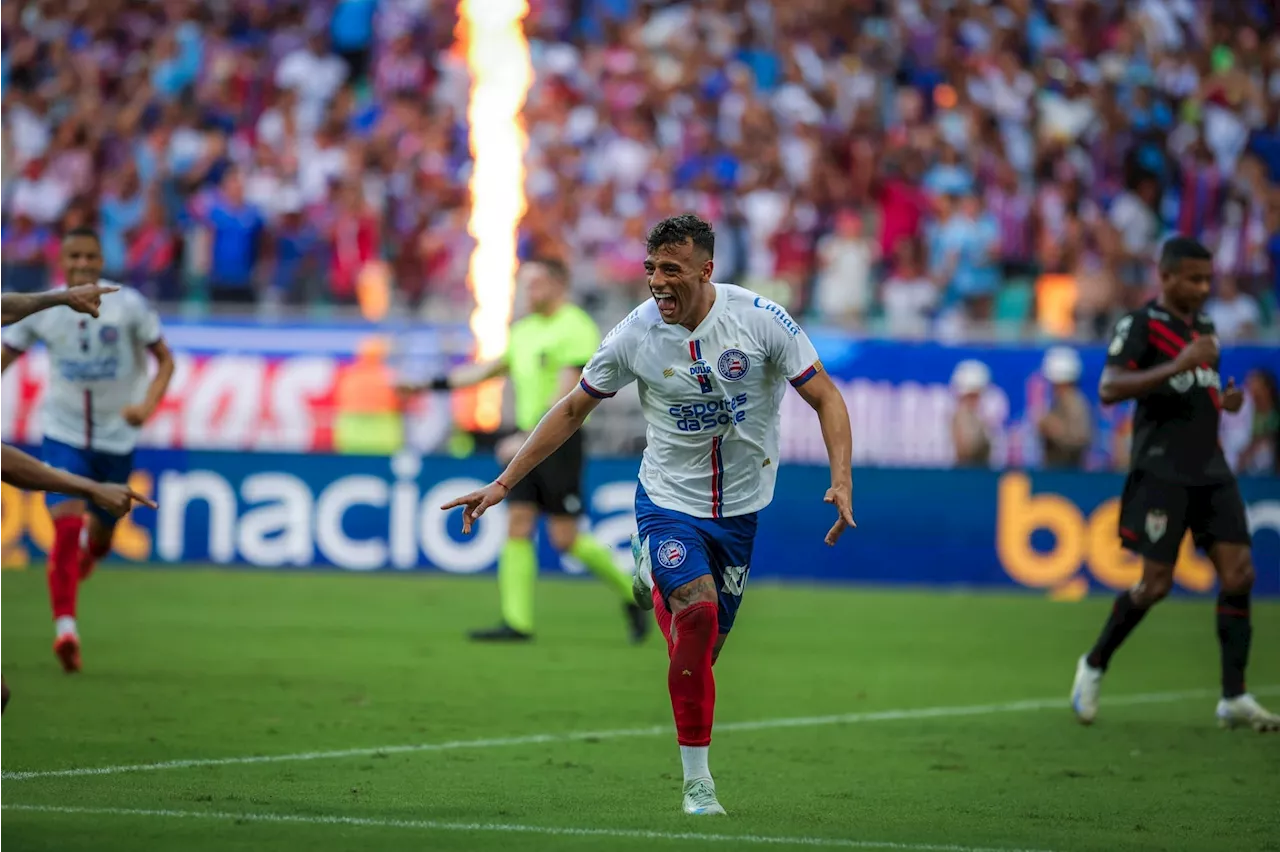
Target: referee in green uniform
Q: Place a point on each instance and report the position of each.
(544, 361)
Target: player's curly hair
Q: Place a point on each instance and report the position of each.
(676, 230)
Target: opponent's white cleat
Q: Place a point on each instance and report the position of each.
(700, 798)
(642, 578)
(1084, 692)
(1244, 711)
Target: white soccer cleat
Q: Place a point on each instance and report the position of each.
(642, 578)
(700, 798)
(1244, 711)
(1084, 692)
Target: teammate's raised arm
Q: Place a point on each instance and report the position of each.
(85, 299)
(465, 376)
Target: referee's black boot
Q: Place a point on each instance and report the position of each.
(501, 633)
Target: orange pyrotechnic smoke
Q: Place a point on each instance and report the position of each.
(491, 34)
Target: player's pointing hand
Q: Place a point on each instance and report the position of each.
(841, 497)
(87, 298)
(118, 499)
(477, 502)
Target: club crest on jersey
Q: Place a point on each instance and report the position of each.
(671, 553)
(109, 335)
(1157, 523)
(733, 365)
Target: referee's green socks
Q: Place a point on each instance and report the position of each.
(517, 573)
(598, 558)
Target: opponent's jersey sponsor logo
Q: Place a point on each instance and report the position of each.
(1205, 377)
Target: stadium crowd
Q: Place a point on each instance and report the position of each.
(911, 167)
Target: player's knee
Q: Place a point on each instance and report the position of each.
(701, 590)
(1157, 582)
(562, 536)
(1237, 578)
(520, 524)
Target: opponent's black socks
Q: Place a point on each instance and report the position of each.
(1235, 633)
(1125, 616)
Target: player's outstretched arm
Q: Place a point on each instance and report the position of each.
(25, 471)
(833, 417)
(1121, 383)
(141, 412)
(468, 375)
(86, 299)
(555, 427)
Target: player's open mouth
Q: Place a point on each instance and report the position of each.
(666, 304)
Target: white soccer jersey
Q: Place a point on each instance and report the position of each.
(711, 397)
(97, 367)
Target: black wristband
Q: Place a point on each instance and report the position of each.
(440, 383)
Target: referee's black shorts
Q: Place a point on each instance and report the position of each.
(1155, 515)
(555, 486)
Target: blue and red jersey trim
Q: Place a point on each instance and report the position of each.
(806, 375)
(598, 394)
(695, 353)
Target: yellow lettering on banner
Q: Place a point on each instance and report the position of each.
(1108, 561)
(1018, 515)
(132, 541)
(12, 524)
(1079, 541)
(1193, 570)
(39, 522)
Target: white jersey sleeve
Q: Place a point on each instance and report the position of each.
(24, 333)
(788, 347)
(611, 368)
(145, 320)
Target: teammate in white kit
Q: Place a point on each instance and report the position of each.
(97, 399)
(711, 362)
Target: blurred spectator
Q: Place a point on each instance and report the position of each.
(236, 240)
(1262, 454)
(968, 428)
(1077, 134)
(846, 256)
(1235, 315)
(1067, 427)
(909, 296)
(27, 249)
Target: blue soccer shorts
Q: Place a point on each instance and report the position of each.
(682, 548)
(91, 464)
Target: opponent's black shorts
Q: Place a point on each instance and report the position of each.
(1155, 515)
(555, 486)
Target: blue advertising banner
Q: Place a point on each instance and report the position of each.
(901, 403)
(1050, 531)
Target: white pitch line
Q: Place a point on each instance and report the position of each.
(623, 733)
(554, 831)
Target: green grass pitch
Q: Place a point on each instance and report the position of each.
(887, 722)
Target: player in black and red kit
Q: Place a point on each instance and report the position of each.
(1165, 356)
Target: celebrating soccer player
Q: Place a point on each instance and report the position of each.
(544, 360)
(98, 398)
(711, 362)
(1165, 356)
